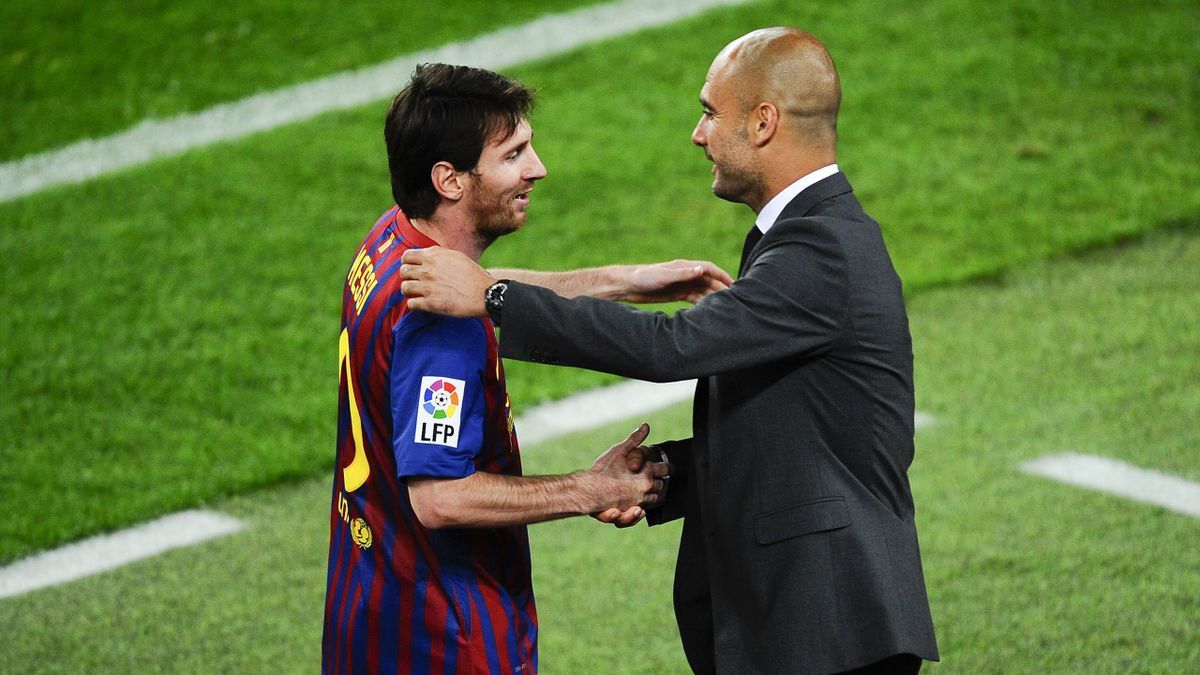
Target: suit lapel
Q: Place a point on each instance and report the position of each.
(802, 205)
(752, 238)
(806, 201)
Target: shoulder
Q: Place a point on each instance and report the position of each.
(802, 226)
(454, 347)
(444, 330)
(822, 233)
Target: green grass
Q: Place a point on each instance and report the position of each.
(1091, 353)
(169, 330)
(72, 70)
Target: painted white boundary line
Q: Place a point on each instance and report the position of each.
(151, 139)
(108, 551)
(597, 407)
(586, 410)
(1119, 478)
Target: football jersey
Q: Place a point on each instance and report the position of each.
(420, 396)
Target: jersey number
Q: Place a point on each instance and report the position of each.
(354, 474)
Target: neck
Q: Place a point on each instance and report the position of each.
(778, 178)
(449, 233)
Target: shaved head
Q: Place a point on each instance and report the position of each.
(770, 106)
(790, 68)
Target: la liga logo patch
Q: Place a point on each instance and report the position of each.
(441, 397)
(437, 410)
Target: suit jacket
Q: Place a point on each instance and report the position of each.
(799, 549)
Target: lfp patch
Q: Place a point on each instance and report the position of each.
(437, 411)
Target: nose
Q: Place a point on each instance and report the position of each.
(698, 134)
(536, 170)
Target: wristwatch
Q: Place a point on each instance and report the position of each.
(493, 299)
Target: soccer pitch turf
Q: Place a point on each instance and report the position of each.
(1025, 574)
(167, 336)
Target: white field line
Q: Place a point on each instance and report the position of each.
(595, 408)
(97, 554)
(591, 409)
(151, 139)
(582, 411)
(1119, 478)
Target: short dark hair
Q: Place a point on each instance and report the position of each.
(446, 114)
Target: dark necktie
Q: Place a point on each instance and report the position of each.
(752, 238)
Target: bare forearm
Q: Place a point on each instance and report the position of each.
(493, 500)
(607, 283)
(445, 281)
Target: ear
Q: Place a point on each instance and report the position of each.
(764, 122)
(447, 181)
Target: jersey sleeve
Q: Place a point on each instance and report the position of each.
(438, 403)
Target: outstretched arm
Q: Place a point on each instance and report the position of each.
(444, 281)
(492, 500)
(688, 280)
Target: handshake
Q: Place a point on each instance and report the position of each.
(628, 477)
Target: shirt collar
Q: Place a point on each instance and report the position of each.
(770, 212)
(410, 233)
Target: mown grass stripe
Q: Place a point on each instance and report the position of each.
(1119, 478)
(546, 36)
(105, 552)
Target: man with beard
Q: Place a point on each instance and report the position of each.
(799, 548)
(428, 554)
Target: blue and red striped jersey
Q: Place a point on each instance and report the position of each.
(420, 395)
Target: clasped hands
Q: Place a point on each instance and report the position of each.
(632, 482)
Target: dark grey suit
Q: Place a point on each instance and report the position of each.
(799, 551)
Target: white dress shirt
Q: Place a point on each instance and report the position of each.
(770, 213)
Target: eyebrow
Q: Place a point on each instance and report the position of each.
(509, 144)
(518, 145)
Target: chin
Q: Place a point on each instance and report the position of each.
(497, 230)
(726, 194)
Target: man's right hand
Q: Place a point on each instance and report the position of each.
(689, 280)
(444, 281)
(625, 462)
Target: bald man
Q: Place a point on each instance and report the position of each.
(799, 548)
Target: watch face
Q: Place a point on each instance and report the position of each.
(495, 295)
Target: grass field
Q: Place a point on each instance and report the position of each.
(178, 317)
(1025, 575)
(177, 57)
(169, 331)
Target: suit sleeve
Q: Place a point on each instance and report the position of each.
(675, 505)
(790, 302)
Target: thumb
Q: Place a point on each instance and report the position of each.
(637, 436)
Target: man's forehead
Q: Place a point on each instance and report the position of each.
(713, 92)
(521, 134)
